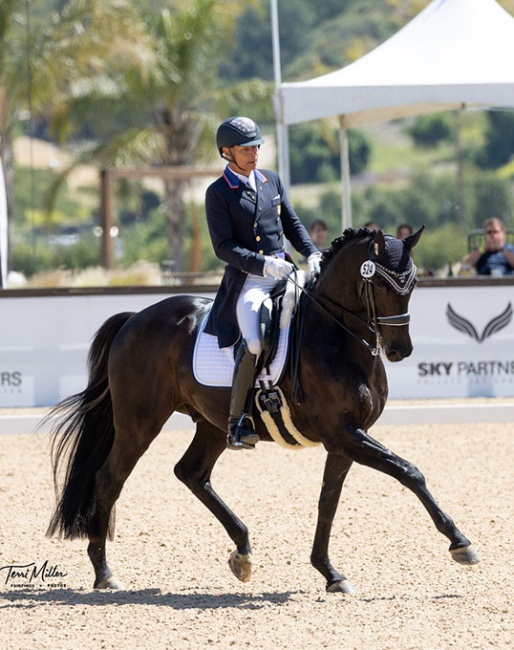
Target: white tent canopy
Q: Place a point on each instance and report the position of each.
(454, 53)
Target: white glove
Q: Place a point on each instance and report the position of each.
(313, 261)
(277, 267)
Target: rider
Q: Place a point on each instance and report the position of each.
(249, 216)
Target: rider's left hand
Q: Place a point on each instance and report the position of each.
(313, 261)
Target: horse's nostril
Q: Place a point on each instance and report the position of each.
(394, 355)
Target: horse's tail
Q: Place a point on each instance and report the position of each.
(82, 440)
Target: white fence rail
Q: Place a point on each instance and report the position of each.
(463, 338)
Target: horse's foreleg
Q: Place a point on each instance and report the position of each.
(194, 470)
(336, 469)
(364, 449)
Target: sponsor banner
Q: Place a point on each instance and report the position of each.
(44, 343)
(16, 387)
(463, 344)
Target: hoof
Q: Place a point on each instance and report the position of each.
(341, 587)
(109, 583)
(241, 566)
(465, 555)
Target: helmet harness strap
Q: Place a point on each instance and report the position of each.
(233, 160)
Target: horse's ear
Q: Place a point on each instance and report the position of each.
(378, 243)
(413, 239)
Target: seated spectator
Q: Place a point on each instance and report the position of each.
(319, 232)
(403, 230)
(495, 257)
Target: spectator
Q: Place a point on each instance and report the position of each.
(403, 230)
(495, 257)
(319, 232)
(371, 225)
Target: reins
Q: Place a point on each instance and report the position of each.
(373, 321)
(321, 301)
(400, 282)
(299, 321)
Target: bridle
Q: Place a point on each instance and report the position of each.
(401, 283)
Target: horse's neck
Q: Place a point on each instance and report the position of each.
(338, 331)
(349, 362)
(339, 311)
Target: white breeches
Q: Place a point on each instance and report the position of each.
(255, 291)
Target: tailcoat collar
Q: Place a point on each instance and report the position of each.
(232, 179)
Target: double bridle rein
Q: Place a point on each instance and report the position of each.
(401, 283)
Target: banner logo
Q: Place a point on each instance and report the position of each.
(494, 325)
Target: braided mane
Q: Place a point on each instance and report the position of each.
(348, 234)
(396, 256)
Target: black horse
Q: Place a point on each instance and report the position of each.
(140, 371)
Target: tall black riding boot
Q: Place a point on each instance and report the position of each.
(241, 434)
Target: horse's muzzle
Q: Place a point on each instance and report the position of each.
(395, 352)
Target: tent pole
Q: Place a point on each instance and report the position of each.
(283, 156)
(346, 203)
(460, 165)
(282, 134)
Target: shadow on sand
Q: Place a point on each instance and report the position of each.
(69, 597)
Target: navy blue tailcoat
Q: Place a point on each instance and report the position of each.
(245, 225)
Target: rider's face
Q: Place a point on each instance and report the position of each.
(246, 158)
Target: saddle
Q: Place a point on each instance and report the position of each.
(270, 322)
(213, 366)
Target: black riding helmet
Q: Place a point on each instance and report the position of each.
(241, 131)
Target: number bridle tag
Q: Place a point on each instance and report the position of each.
(368, 269)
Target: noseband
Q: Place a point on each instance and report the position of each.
(401, 283)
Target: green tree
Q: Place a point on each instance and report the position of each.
(175, 92)
(499, 140)
(43, 65)
(440, 247)
(13, 80)
(487, 195)
(431, 129)
(314, 152)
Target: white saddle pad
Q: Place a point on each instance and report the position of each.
(215, 367)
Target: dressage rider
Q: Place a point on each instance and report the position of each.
(249, 216)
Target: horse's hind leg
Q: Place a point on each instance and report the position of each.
(127, 449)
(364, 449)
(194, 470)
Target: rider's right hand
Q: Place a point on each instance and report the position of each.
(277, 267)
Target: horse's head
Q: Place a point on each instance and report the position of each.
(371, 275)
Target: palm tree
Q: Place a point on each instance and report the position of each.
(13, 87)
(69, 54)
(176, 91)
